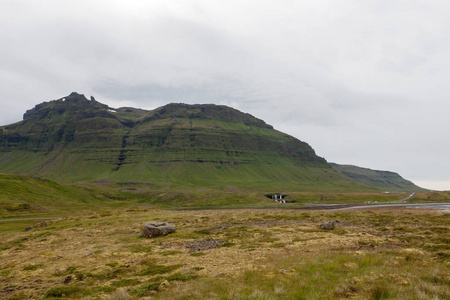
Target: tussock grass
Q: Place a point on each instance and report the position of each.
(265, 254)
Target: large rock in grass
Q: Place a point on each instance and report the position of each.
(153, 229)
(329, 225)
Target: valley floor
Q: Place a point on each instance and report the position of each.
(231, 254)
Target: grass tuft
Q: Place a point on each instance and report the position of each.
(154, 269)
(62, 291)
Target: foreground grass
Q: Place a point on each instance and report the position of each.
(231, 254)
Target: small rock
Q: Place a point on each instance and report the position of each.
(288, 272)
(153, 229)
(68, 279)
(28, 228)
(329, 225)
(164, 285)
(40, 224)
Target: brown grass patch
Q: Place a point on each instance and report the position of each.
(241, 254)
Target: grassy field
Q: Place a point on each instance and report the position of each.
(230, 254)
(33, 197)
(82, 241)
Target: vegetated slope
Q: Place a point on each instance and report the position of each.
(23, 195)
(385, 180)
(177, 144)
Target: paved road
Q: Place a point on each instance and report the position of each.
(407, 198)
(441, 206)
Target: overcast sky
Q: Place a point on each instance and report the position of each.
(363, 82)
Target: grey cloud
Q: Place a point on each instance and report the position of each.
(363, 82)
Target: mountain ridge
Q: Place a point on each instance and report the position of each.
(387, 180)
(73, 137)
(176, 144)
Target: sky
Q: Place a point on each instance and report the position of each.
(363, 82)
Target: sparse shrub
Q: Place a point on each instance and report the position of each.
(428, 245)
(443, 254)
(346, 291)
(71, 269)
(203, 231)
(120, 294)
(181, 277)
(168, 253)
(105, 213)
(227, 244)
(125, 282)
(21, 206)
(18, 296)
(32, 267)
(112, 264)
(138, 248)
(277, 245)
(155, 269)
(62, 291)
(379, 292)
(146, 289)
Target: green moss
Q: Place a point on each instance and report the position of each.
(112, 264)
(125, 282)
(145, 289)
(181, 277)
(154, 269)
(62, 291)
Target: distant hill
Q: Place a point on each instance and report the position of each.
(383, 180)
(73, 138)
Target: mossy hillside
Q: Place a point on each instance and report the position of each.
(161, 169)
(29, 196)
(389, 181)
(23, 196)
(200, 145)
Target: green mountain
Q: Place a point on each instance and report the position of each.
(383, 180)
(76, 139)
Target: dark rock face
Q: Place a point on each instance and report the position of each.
(329, 225)
(153, 229)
